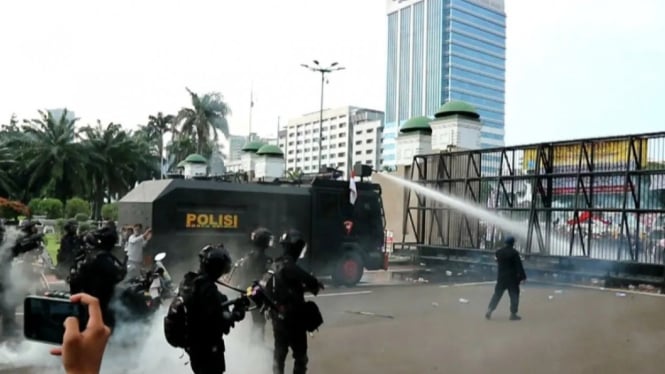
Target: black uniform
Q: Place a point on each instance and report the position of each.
(207, 319)
(70, 245)
(255, 265)
(288, 291)
(28, 240)
(97, 272)
(510, 274)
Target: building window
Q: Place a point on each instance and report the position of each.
(369, 151)
(359, 142)
(341, 154)
(368, 141)
(358, 152)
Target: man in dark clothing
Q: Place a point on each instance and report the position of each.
(29, 238)
(97, 272)
(70, 245)
(510, 274)
(287, 289)
(208, 320)
(254, 266)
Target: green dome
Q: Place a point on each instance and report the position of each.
(416, 124)
(195, 158)
(252, 146)
(457, 107)
(270, 150)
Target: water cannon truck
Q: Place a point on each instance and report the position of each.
(186, 213)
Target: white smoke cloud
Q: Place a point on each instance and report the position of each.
(142, 349)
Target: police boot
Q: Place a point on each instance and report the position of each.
(488, 315)
(515, 317)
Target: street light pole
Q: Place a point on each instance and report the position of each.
(317, 68)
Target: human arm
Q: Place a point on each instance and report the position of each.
(136, 239)
(312, 284)
(521, 274)
(221, 319)
(82, 352)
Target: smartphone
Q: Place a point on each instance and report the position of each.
(44, 318)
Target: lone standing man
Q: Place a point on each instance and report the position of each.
(135, 246)
(510, 274)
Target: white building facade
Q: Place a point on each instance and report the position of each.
(349, 135)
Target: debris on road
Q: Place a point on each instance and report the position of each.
(550, 297)
(620, 294)
(449, 273)
(463, 301)
(435, 304)
(558, 291)
(370, 314)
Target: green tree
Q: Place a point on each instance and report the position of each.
(156, 128)
(75, 206)
(110, 212)
(118, 161)
(204, 120)
(50, 154)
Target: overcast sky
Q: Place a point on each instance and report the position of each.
(574, 67)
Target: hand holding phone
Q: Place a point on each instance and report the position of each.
(44, 317)
(83, 349)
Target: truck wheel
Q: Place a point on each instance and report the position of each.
(349, 270)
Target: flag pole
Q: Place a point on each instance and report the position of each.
(251, 107)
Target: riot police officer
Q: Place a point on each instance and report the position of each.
(29, 239)
(6, 312)
(255, 265)
(70, 244)
(288, 291)
(208, 320)
(96, 271)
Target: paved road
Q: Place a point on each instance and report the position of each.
(426, 329)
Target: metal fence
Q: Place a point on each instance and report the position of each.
(600, 198)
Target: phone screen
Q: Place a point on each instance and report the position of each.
(44, 318)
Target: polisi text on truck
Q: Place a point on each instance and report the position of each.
(211, 221)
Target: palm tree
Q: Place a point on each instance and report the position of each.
(115, 156)
(156, 128)
(51, 156)
(207, 116)
(6, 163)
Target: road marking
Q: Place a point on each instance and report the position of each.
(603, 289)
(342, 293)
(466, 284)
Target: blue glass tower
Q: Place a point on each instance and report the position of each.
(443, 50)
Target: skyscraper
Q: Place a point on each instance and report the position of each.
(443, 50)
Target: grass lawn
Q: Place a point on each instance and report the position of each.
(52, 245)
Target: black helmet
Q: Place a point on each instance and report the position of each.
(293, 243)
(215, 260)
(104, 238)
(71, 226)
(509, 240)
(261, 237)
(28, 226)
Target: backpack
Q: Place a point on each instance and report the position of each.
(175, 321)
(311, 317)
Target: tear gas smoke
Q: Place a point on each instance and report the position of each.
(463, 206)
(141, 348)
